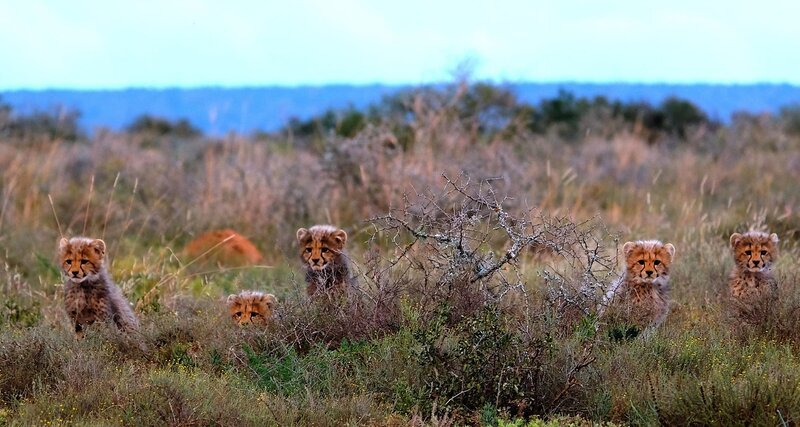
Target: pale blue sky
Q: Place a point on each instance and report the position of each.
(103, 44)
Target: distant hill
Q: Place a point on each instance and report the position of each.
(220, 110)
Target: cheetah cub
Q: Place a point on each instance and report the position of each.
(251, 307)
(325, 261)
(89, 293)
(752, 288)
(641, 296)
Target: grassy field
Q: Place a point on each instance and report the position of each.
(432, 337)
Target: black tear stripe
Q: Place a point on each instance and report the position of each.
(93, 268)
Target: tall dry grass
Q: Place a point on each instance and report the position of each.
(147, 196)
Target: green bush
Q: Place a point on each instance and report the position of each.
(790, 116)
(13, 312)
(489, 110)
(159, 126)
(60, 123)
(679, 116)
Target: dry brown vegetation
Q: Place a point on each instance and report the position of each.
(479, 257)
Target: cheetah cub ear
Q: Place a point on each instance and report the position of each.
(736, 238)
(774, 238)
(270, 300)
(62, 244)
(670, 250)
(302, 234)
(232, 300)
(99, 246)
(628, 247)
(340, 236)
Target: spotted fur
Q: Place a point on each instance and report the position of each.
(324, 259)
(251, 307)
(641, 296)
(751, 286)
(89, 293)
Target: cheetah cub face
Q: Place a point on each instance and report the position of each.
(754, 251)
(648, 261)
(250, 307)
(320, 246)
(81, 258)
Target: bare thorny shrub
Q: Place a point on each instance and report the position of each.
(467, 247)
(481, 322)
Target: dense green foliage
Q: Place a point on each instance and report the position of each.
(161, 127)
(492, 110)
